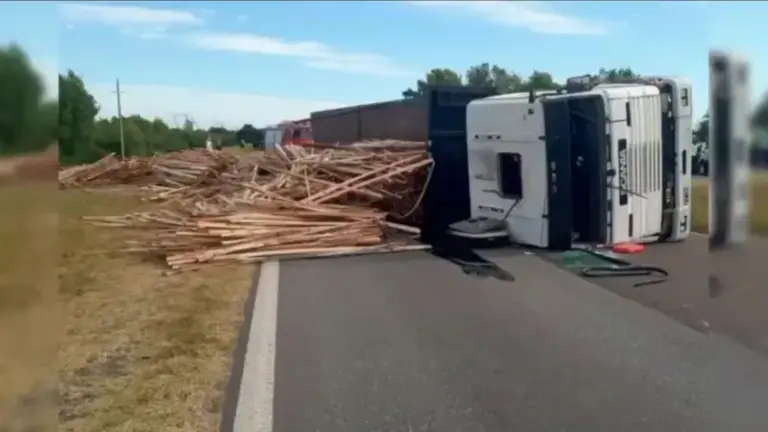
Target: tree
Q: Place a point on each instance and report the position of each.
(439, 76)
(106, 139)
(505, 82)
(616, 74)
(701, 133)
(493, 76)
(539, 81)
(223, 136)
(250, 135)
(47, 130)
(760, 116)
(485, 75)
(77, 114)
(21, 97)
(760, 124)
(700, 159)
(479, 76)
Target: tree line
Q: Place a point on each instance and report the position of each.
(502, 80)
(29, 122)
(84, 138)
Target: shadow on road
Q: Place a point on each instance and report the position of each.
(459, 253)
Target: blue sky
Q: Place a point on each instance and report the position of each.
(226, 63)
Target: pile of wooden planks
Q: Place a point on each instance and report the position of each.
(111, 170)
(253, 206)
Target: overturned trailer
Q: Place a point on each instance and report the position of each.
(402, 120)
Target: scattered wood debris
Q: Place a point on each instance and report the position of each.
(291, 202)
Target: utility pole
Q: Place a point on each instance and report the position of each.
(120, 118)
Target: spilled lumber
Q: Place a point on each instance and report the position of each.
(294, 201)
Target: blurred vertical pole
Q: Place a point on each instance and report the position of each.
(729, 142)
(120, 118)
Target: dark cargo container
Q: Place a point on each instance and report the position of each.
(341, 125)
(447, 197)
(404, 120)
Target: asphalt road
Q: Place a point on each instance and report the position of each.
(738, 309)
(408, 342)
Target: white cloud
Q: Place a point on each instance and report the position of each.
(146, 23)
(313, 54)
(206, 108)
(537, 17)
(206, 12)
(154, 32)
(149, 23)
(110, 14)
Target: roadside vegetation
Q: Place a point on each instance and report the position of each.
(91, 338)
(759, 210)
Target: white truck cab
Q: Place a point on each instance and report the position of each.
(598, 164)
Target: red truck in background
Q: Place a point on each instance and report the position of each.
(297, 132)
(288, 132)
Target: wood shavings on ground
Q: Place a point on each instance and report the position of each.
(291, 202)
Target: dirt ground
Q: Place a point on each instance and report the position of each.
(40, 166)
(135, 350)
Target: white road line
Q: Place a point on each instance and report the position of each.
(257, 388)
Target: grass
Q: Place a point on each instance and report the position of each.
(137, 351)
(28, 312)
(759, 213)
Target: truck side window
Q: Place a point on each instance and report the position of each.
(684, 97)
(685, 162)
(510, 176)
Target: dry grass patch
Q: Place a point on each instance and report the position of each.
(139, 351)
(700, 203)
(28, 307)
